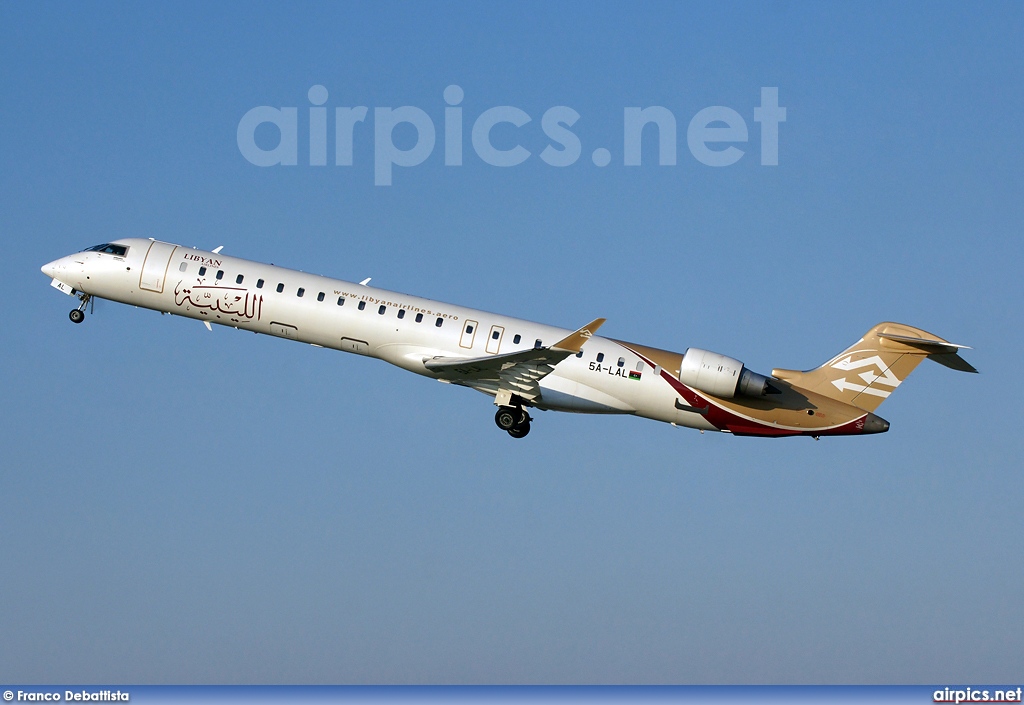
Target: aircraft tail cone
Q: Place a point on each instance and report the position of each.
(875, 424)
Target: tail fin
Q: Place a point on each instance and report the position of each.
(867, 372)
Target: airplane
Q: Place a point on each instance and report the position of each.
(521, 364)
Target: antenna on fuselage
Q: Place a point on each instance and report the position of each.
(365, 281)
(217, 250)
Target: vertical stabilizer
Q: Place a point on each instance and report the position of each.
(867, 372)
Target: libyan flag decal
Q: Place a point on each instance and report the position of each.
(634, 375)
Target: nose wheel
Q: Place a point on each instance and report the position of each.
(519, 431)
(514, 420)
(78, 315)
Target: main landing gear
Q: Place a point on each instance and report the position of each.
(78, 315)
(513, 419)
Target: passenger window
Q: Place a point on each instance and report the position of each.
(382, 309)
(538, 344)
(202, 271)
(419, 318)
(183, 266)
(469, 329)
(401, 313)
(220, 274)
(515, 340)
(640, 366)
(600, 357)
(259, 283)
(495, 335)
(280, 288)
(301, 292)
(320, 296)
(238, 279)
(362, 305)
(341, 300)
(440, 322)
(579, 354)
(622, 362)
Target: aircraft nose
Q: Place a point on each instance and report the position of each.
(50, 269)
(875, 424)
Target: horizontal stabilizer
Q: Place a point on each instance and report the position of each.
(924, 342)
(943, 352)
(953, 361)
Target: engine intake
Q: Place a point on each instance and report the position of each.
(722, 376)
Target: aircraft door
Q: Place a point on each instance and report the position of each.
(154, 268)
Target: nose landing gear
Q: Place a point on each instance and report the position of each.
(78, 315)
(514, 420)
(519, 431)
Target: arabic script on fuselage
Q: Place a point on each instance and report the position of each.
(230, 301)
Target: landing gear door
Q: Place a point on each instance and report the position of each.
(154, 269)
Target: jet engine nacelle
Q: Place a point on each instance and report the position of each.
(719, 375)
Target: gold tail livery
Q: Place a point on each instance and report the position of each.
(522, 365)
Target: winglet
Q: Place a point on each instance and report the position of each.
(574, 343)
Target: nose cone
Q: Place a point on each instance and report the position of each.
(50, 269)
(875, 424)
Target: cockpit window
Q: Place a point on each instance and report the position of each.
(107, 248)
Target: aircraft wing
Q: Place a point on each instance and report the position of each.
(516, 372)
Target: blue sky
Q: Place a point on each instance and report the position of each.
(193, 507)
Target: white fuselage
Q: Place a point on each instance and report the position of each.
(401, 329)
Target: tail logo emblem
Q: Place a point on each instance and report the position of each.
(887, 377)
